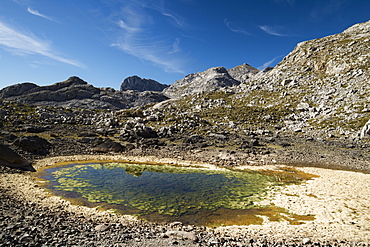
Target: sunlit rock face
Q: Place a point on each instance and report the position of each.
(211, 79)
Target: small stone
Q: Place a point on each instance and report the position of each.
(306, 241)
(182, 234)
(101, 228)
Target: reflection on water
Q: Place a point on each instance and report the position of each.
(166, 193)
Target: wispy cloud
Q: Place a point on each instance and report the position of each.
(159, 6)
(175, 46)
(137, 39)
(235, 29)
(23, 44)
(35, 12)
(272, 31)
(327, 8)
(129, 29)
(177, 20)
(268, 63)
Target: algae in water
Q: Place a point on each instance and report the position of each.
(163, 189)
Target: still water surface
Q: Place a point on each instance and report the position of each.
(163, 192)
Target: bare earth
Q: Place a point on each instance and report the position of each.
(340, 201)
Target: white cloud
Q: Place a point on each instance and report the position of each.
(235, 29)
(22, 44)
(154, 51)
(179, 21)
(128, 28)
(271, 30)
(137, 39)
(35, 12)
(268, 63)
(175, 46)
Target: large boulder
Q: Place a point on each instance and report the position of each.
(365, 131)
(11, 159)
(140, 84)
(33, 144)
(108, 147)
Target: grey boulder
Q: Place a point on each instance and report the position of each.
(11, 159)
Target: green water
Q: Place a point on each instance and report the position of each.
(161, 192)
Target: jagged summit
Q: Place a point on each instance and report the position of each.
(243, 72)
(140, 84)
(209, 80)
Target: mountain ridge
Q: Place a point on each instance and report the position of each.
(77, 93)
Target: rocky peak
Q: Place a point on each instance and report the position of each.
(209, 80)
(243, 72)
(140, 84)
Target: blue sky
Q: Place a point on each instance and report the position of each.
(105, 41)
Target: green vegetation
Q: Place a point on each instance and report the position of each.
(162, 192)
(164, 189)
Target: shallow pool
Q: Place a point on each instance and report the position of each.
(166, 193)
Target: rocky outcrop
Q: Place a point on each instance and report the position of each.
(33, 144)
(108, 147)
(210, 80)
(141, 84)
(11, 159)
(76, 93)
(365, 131)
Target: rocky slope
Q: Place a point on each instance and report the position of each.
(210, 80)
(76, 93)
(321, 88)
(324, 82)
(140, 84)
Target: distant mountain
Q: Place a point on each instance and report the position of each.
(76, 93)
(210, 80)
(243, 72)
(140, 84)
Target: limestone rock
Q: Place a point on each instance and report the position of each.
(140, 84)
(182, 234)
(212, 79)
(365, 131)
(243, 72)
